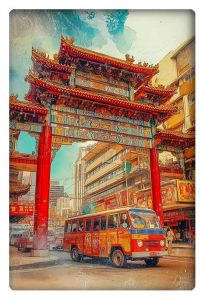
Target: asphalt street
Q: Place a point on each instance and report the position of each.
(172, 273)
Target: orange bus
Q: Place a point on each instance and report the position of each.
(120, 235)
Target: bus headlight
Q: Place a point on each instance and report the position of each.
(139, 243)
(162, 243)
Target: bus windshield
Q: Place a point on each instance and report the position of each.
(144, 219)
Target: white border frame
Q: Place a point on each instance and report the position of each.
(197, 6)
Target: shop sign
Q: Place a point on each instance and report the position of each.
(135, 199)
(186, 191)
(139, 199)
(168, 194)
(21, 210)
(61, 140)
(178, 214)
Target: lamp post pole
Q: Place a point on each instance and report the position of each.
(125, 164)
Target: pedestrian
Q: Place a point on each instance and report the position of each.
(170, 238)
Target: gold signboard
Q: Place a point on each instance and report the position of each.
(186, 191)
(61, 140)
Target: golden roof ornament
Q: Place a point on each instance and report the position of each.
(55, 57)
(129, 59)
(13, 97)
(69, 40)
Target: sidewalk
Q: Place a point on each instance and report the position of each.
(183, 245)
(183, 250)
(19, 260)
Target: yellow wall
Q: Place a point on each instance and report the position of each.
(187, 87)
(178, 119)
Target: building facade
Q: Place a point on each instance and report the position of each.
(178, 188)
(56, 191)
(79, 179)
(117, 176)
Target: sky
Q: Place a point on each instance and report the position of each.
(147, 35)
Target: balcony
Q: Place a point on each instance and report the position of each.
(101, 159)
(106, 184)
(105, 170)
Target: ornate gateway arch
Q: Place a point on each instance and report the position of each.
(84, 95)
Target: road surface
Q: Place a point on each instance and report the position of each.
(172, 273)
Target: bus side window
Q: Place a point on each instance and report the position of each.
(124, 221)
(66, 226)
(68, 229)
(88, 225)
(74, 225)
(96, 224)
(112, 221)
(103, 223)
(81, 225)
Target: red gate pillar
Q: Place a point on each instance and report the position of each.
(156, 188)
(42, 193)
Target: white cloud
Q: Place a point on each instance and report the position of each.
(159, 32)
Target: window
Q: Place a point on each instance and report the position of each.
(124, 221)
(81, 225)
(88, 225)
(103, 222)
(113, 221)
(68, 226)
(74, 225)
(96, 224)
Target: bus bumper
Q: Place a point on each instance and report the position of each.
(146, 254)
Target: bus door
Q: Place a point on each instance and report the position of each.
(80, 235)
(74, 229)
(103, 237)
(67, 236)
(112, 225)
(87, 238)
(95, 236)
(124, 236)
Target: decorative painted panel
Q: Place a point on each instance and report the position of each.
(110, 137)
(80, 121)
(25, 127)
(102, 113)
(101, 83)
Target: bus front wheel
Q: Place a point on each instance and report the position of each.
(152, 262)
(75, 254)
(118, 258)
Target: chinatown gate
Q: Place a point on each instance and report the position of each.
(82, 95)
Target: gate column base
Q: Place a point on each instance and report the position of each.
(40, 253)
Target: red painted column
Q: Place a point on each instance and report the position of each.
(156, 188)
(42, 193)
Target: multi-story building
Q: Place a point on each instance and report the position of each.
(56, 191)
(29, 178)
(178, 68)
(63, 209)
(62, 204)
(107, 180)
(79, 179)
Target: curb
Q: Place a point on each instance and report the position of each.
(181, 256)
(38, 264)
